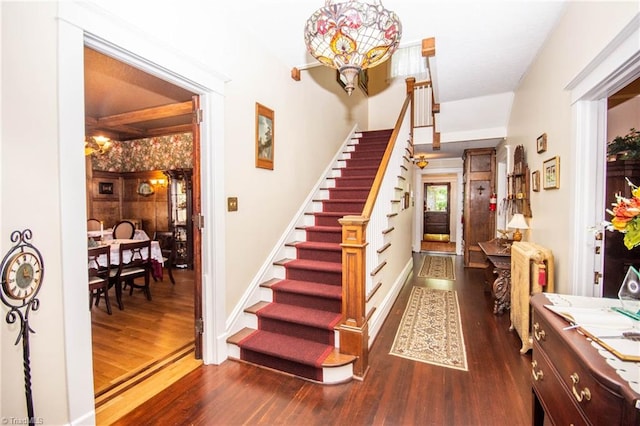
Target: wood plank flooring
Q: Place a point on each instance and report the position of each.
(495, 391)
(438, 246)
(144, 347)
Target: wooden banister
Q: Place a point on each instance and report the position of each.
(354, 327)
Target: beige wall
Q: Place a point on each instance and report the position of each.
(543, 105)
(312, 118)
(311, 122)
(30, 199)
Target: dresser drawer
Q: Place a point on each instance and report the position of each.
(598, 403)
(555, 399)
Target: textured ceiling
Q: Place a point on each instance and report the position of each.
(482, 48)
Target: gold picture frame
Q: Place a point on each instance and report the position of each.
(535, 181)
(265, 137)
(541, 143)
(551, 173)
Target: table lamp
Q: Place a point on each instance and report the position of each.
(517, 222)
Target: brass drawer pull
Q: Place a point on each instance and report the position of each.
(537, 375)
(538, 334)
(584, 393)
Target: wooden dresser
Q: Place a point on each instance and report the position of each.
(572, 383)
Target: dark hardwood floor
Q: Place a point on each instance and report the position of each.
(495, 391)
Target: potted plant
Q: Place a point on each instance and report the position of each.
(625, 147)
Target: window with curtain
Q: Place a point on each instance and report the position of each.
(408, 61)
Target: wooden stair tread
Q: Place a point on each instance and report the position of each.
(308, 288)
(337, 359)
(334, 359)
(253, 309)
(240, 335)
(314, 265)
(319, 245)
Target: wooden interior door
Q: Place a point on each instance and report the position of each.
(479, 222)
(437, 208)
(197, 224)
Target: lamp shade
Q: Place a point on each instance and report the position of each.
(518, 222)
(351, 36)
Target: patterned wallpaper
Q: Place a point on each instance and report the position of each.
(159, 153)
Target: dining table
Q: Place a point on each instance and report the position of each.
(107, 234)
(114, 245)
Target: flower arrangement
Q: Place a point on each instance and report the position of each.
(626, 217)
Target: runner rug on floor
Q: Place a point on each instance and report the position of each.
(437, 267)
(430, 330)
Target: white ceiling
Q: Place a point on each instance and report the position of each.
(483, 50)
(482, 47)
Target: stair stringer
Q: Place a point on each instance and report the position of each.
(239, 319)
(386, 269)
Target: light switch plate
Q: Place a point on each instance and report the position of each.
(232, 204)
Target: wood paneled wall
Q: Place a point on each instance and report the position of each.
(124, 202)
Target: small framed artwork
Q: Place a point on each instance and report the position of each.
(541, 143)
(535, 181)
(105, 188)
(551, 173)
(265, 137)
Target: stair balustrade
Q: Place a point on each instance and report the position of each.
(366, 230)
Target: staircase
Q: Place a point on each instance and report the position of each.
(296, 329)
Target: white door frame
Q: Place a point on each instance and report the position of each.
(80, 24)
(616, 66)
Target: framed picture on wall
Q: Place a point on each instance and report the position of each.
(551, 173)
(541, 143)
(265, 137)
(105, 188)
(535, 181)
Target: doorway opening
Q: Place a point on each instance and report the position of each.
(150, 343)
(622, 119)
(436, 218)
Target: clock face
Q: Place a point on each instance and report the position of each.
(22, 276)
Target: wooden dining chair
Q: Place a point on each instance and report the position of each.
(135, 262)
(124, 230)
(167, 243)
(93, 224)
(99, 275)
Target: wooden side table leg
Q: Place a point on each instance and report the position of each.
(502, 291)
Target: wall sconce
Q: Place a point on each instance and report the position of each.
(421, 160)
(98, 145)
(158, 182)
(517, 222)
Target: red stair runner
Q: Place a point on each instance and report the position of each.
(296, 331)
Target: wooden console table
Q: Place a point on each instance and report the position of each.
(572, 383)
(498, 252)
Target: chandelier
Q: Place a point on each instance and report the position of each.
(96, 145)
(352, 36)
(421, 160)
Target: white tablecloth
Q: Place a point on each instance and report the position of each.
(107, 235)
(156, 253)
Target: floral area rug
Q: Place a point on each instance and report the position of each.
(440, 267)
(430, 330)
